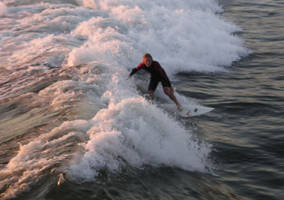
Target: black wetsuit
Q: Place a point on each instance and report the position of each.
(158, 74)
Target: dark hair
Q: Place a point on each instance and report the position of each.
(147, 55)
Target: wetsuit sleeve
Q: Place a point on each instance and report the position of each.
(134, 70)
(162, 72)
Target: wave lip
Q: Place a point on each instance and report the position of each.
(134, 132)
(182, 36)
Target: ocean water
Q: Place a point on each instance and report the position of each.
(72, 126)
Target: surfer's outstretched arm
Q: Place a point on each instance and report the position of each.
(136, 69)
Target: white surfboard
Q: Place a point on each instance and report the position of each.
(187, 110)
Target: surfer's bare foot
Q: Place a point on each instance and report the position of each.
(179, 108)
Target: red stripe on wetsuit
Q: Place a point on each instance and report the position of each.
(155, 70)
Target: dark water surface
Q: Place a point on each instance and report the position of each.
(246, 129)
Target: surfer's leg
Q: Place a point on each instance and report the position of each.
(152, 87)
(170, 92)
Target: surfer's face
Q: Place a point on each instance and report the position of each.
(148, 62)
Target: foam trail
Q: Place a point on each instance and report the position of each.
(134, 132)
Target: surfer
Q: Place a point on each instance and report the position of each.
(158, 74)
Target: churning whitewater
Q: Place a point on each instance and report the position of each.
(78, 54)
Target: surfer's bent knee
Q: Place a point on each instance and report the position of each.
(168, 91)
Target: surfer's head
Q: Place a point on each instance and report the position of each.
(147, 59)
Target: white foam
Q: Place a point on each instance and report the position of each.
(184, 36)
(134, 132)
(41, 33)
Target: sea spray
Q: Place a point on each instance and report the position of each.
(134, 132)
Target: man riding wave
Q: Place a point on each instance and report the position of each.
(158, 74)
